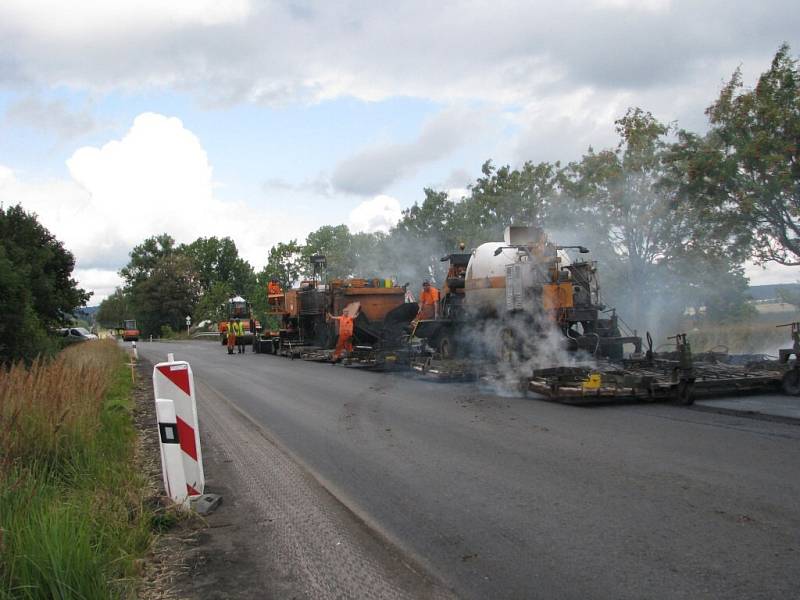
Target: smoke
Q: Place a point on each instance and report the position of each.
(514, 345)
(405, 259)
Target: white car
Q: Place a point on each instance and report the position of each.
(76, 334)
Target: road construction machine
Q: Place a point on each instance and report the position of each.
(239, 308)
(306, 316)
(506, 297)
(129, 331)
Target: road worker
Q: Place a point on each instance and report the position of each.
(240, 335)
(344, 343)
(231, 335)
(274, 292)
(428, 302)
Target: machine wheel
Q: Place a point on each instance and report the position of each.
(686, 392)
(790, 384)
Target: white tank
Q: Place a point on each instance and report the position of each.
(485, 279)
(483, 263)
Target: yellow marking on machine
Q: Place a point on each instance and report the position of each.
(592, 382)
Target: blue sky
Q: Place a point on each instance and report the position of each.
(120, 120)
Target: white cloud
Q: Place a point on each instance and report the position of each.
(278, 52)
(73, 20)
(102, 282)
(374, 168)
(155, 179)
(634, 5)
(379, 214)
(771, 273)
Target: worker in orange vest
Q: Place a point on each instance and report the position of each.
(231, 335)
(345, 341)
(428, 302)
(274, 287)
(274, 293)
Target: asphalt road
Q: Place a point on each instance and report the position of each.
(505, 497)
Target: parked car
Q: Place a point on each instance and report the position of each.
(76, 334)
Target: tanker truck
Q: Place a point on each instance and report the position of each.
(504, 296)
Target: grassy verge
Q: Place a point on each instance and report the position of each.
(73, 518)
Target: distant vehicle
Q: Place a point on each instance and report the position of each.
(239, 308)
(129, 331)
(75, 334)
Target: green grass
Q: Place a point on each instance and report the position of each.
(72, 511)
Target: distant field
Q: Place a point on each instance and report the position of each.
(758, 336)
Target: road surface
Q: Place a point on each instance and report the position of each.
(508, 497)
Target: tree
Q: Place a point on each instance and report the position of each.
(217, 261)
(285, 263)
(37, 291)
(619, 195)
(756, 136)
(168, 295)
(433, 220)
(115, 309)
(505, 196)
(145, 257)
(335, 243)
(653, 238)
(211, 305)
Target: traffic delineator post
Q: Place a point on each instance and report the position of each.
(173, 380)
(171, 459)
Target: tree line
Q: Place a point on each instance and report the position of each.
(670, 215)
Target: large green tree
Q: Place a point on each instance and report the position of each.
(749, 162)
(37, 291)
(284, 263)
(217, 261)
(651, 237)
(335, 242)
(145, 257)
(504, 196)
(168, 295)
(115, 309)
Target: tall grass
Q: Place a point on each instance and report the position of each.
(72, 514)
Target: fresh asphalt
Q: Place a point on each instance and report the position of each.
(510, 497)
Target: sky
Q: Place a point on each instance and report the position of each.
(263, 121)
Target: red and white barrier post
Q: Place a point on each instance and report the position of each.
(173, 383)
(171, 459)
